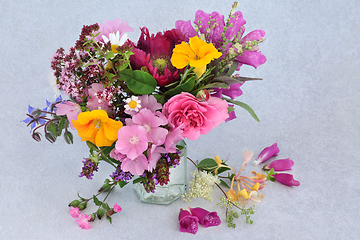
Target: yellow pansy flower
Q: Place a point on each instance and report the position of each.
(97, 127)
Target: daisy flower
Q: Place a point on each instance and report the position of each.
(132, 104)
(115, 39)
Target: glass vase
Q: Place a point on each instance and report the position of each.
(170, 192)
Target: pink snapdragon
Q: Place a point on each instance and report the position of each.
(267, 153)
(286, 179)
(206, 218)
(187, 222)
(132, 141)
(70, 109)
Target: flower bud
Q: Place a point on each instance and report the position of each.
(50, 137)
(82, 206)
(100, 213)
(68, 136)
(36, 136)
(110, 212)
(74, 203)
(203, 95)
(36, 113)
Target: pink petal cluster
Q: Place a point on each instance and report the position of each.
(117, 208)
(195, 117)
(187, 222)
(267, 153)
(83, 219)
(70, 109)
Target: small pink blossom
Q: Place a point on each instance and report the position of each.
(267, 153)
(117, 208)
(135, 166)
(83, 221)
(74, 212)
(132, 141)
(70, 109)
(286, 179)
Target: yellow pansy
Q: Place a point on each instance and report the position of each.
(97, 127)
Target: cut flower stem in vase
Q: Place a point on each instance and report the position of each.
(173, 190)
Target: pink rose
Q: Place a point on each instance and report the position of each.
(193, 116)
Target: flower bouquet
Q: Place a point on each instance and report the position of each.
(134, 102)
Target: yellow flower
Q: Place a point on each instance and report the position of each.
(97, 127)
(243, 193)
(198, 54)
(231, 195)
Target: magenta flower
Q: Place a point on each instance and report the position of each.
(286, 179)
(187, 222)
(206, 218)
(132, 141)
(233, 91)
(117, 208)
(70, 109)
(83, 221)
(135, 166)
(279, 165)
(74, 212)
(267, 153)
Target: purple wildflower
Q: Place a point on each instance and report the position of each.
(120, 175)
(88, 168)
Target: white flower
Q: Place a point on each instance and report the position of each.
(115, 40)
(132, 104)
(201, 186)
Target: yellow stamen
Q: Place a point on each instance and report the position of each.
(132, 104)
(113, 48)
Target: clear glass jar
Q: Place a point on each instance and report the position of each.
(170, 192)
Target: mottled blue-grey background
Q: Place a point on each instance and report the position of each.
(308, 103)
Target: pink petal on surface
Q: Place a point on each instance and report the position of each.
(286, 179)
(206, 218)
(280, 165)
(187, 222)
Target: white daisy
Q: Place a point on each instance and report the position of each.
(115, 40)
(133, 104)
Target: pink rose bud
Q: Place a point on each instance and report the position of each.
(267, 153)
(279, 165)
(286, 179)
(187, 222)
(206, 218)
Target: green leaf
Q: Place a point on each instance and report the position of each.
(216, 85)
(62, 124)
(160, 98)
(224, 183)
(139, 179)
(96, 201)
(226, 79)
(109, 218)
(109, 55)
(244, 106)
(91, 145)
(139, 82)
(232, 69)
(207, 164)
(51, 127)
(122, 183)
(106, 206)
(185, 87)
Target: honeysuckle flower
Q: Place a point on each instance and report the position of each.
(115, 40)
(83, 221)
(197, 53)
(253, 196)
(74, 212)
(267, 153)
(97, 127)
(231, 195)
(117, 208)
(206, 218)
(187, 222)
(279, 165)
(133, 104)
(286, 179)
(70, 109)
(243, 193)
(132, 141)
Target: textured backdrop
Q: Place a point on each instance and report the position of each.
(308, 103)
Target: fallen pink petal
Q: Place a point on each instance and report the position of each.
(286, 179)
(279, 165)
(206, 218)
(267, 153)
(187, 222)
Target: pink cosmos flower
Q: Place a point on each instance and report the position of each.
(206, 218)
(187, 222)
(267, 153)
(83, 221)
(132, 141)
(117, 208)
(286, 179)
(112, 27)
(279, 165)
(70, 109)
(195, 117)
(135, 166)
(96, 102)
(74, 212)
(151, 123)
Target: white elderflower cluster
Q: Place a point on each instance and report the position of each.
(201, 186)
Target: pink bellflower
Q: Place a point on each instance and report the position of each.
(187, 222)
(206, 218)
(267, 153)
